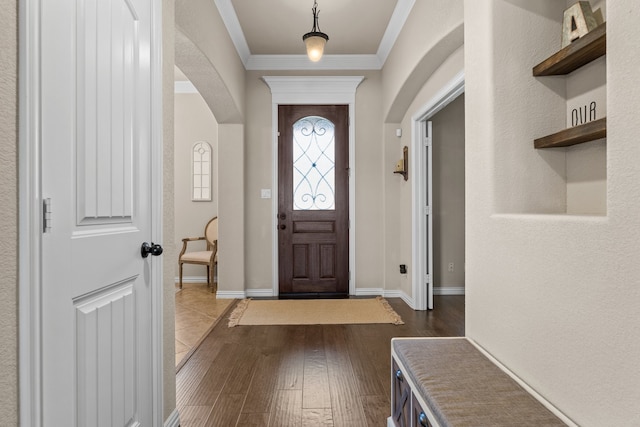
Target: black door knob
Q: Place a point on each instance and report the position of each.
(150, 248)
(282, 226)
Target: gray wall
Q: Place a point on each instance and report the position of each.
(448, 195)
(8, 214)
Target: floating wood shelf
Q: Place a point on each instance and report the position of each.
(582, 51)
(575, 135)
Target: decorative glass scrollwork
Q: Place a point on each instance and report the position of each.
(314, 164)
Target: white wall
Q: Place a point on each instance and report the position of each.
(194, 122)
(554, 297)
(587, 163)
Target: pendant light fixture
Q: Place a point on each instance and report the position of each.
(316, 39)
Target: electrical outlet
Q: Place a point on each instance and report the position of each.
(450, 267)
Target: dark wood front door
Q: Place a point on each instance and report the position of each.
(313, 200)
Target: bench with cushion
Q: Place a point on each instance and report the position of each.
(440, 382)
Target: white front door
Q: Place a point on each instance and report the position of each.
(98, 292)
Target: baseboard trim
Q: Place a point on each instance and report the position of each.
(407, 299)
(191, 279)
(449, 290)
(395, 294)
(387, 294)
(266, 293)
(231, 295)
(173, 420)
(259, 293)
(369, 291)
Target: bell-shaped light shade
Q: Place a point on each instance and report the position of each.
(315, 42)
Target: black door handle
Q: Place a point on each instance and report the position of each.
(282, 226)
(150, 248)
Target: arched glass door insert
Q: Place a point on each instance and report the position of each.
(314, 164)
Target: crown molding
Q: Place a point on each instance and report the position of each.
(301, 62)
(399, 17)
(313, 89)
(230, 19)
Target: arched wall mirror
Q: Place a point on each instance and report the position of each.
(201, 172)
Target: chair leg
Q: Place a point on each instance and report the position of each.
(180, 275)
(214, 271)
(208, 277)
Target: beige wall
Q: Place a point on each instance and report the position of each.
(398, 193)
(258, 161)
(432, 32)
(194, 122)
(168, 220)
(448, 195)
(554, 297)
(369, 175)
(8, 213)
(216, 69)
(426, 56)
(231, 210)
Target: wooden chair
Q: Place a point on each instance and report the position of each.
(208, 257)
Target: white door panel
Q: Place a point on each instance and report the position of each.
(96, 153)
(427, 212)
(106, 347)
(107, 94)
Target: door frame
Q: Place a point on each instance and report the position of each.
(312, 90)
(30, 208)
(421, 182)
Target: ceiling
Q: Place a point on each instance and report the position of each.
(268, 33)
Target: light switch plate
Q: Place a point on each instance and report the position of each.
(265, 193)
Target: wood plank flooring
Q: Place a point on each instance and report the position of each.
(196, 310)
(305, 375)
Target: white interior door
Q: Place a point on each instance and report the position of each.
(98, 312)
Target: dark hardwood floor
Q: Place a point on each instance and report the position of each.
(318, 375)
